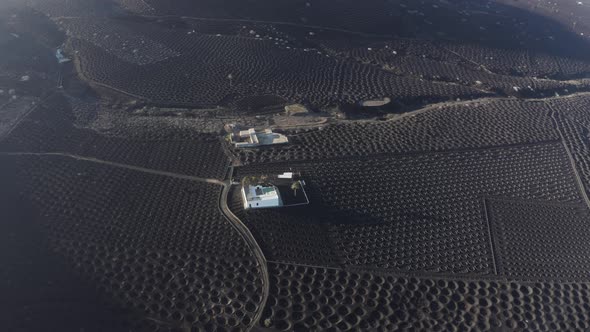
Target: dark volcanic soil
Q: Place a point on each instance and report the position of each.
(40, 291)
(462, 205)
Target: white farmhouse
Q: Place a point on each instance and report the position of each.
(259, 196)
(252, 138)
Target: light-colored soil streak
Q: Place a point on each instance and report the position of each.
(114, 164)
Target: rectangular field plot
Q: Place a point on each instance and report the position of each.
(425, 212)
(293, 234)
(535, 240)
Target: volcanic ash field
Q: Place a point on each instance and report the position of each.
(444, 150)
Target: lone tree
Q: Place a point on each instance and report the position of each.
(247, 180)
(295, 186)
(254, 180)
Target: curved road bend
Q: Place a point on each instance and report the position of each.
(250, 241)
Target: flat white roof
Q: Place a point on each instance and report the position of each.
(259, 192)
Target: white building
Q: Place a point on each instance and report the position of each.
(259, 196)
(285, 175)
(252, 138)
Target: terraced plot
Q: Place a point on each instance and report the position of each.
(257, 65)
(446, 127)
(304, 298)
(296, 235)
(50, 128)
(157, 245)
(540, 241)
(323, 70)
(415, 212)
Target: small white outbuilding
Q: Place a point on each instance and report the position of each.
(285, 175)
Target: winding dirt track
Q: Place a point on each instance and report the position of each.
(252, 244)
